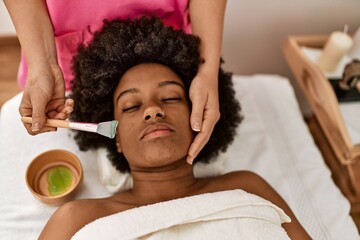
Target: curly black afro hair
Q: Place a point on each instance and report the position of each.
(123, 44)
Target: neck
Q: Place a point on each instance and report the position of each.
(165, 183)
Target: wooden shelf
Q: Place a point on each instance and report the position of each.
(9, 62)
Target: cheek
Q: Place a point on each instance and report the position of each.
(125, 135)
(188, 135)
(184, 134)
(131, 146)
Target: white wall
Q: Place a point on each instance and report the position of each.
(255, 30)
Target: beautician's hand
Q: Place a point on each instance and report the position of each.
(44, 97)
(205, 112)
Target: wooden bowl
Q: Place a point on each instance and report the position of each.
(54, 176)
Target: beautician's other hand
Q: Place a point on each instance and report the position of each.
(44, 97)
(205, 112)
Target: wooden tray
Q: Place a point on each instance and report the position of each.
(345, 166)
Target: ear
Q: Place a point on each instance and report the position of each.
(118, 145)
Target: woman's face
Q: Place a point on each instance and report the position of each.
(154, 116)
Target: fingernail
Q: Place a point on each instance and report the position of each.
(69, 102)
(196, 127)
(35, 127)
(189, 160)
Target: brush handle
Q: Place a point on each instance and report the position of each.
(49, 122)
(88, 127)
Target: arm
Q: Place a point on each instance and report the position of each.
(44, 90)
(207, 20)
(33, 25)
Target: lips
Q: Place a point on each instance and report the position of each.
(156, 130)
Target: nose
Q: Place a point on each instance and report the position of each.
(153, 112)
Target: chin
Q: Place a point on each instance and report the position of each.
(162, 154)
(163, 157)
(159, 152)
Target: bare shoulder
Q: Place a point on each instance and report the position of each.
(66, 220)
(245, 180)
(72, 216)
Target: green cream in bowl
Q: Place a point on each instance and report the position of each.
(59, 180)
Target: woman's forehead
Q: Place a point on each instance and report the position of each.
(148, 73)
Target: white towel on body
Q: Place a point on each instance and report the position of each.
(233, 214)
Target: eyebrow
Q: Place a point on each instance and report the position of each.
(170, 82)
(161, 84)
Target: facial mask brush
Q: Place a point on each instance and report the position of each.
(107, 129)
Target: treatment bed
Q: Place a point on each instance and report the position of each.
(273, 141)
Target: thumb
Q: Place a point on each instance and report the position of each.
(197, 113)
(38, 113)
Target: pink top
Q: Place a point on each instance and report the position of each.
(74, 22)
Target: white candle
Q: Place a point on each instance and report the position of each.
(336, 47)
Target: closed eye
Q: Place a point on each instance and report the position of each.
(130, 109)
(171, 100)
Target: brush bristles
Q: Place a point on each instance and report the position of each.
(107, 129)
